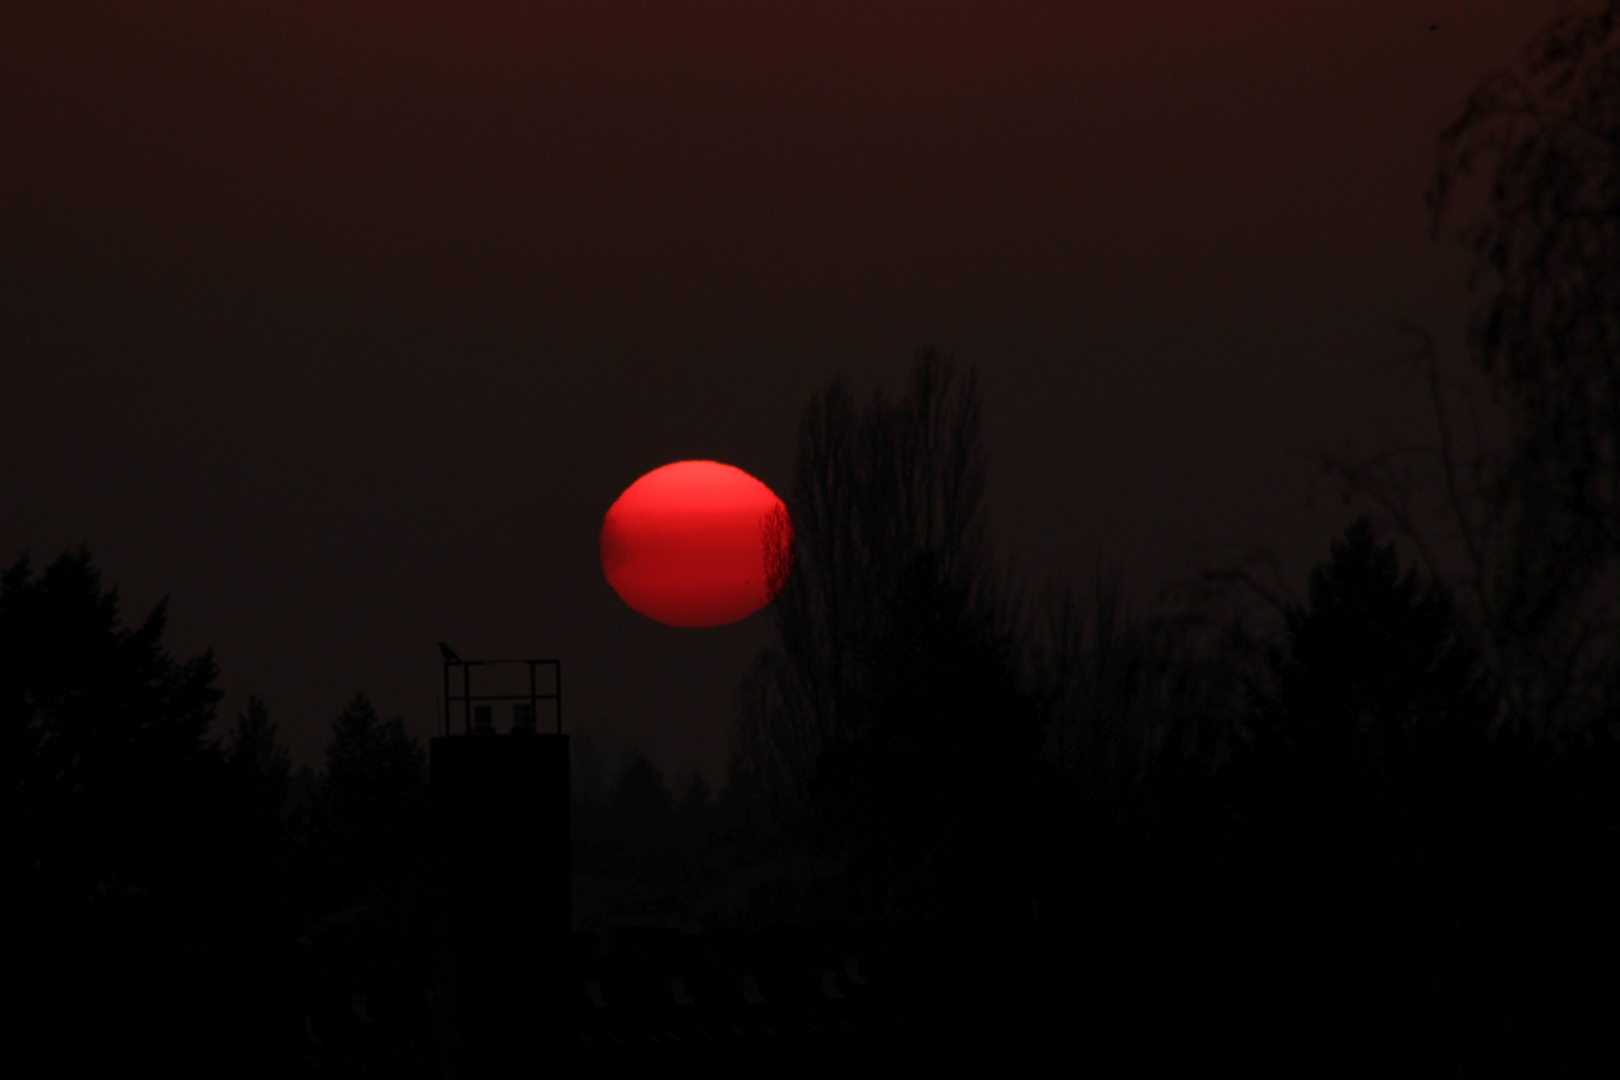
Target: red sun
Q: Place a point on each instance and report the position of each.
(696, 543)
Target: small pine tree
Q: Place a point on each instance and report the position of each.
(259, 763)
(641, 806)
(698, 798)
(1377, 693)
(366, 824)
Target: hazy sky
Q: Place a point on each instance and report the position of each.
(344, 329)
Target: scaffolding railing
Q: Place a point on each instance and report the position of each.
(476, 718)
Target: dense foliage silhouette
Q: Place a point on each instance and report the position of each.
(889, 720)
(124, 865)
(361, 896)
(1526, 180)
(1362, 785)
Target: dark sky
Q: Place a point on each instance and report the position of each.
(342, 324)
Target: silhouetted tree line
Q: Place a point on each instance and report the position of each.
(1331, 842)
(112, 867)
(168, 909)
(175, 901)
(1378, 834)
(643, 853)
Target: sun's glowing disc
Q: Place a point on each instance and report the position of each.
(696, 543)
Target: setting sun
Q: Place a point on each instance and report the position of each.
(694, 543)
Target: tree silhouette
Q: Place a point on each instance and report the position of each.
(888, 711)
(1134, 702)
(641, 807)
(641, 790)
(1528, 179)
(106, 733)
(361, 898)
(260, 769)
(365, 826)
(1377, 691)
(698, 799)
(258, 777)
(1366, 795)
(1546, 332)
(116, 814)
